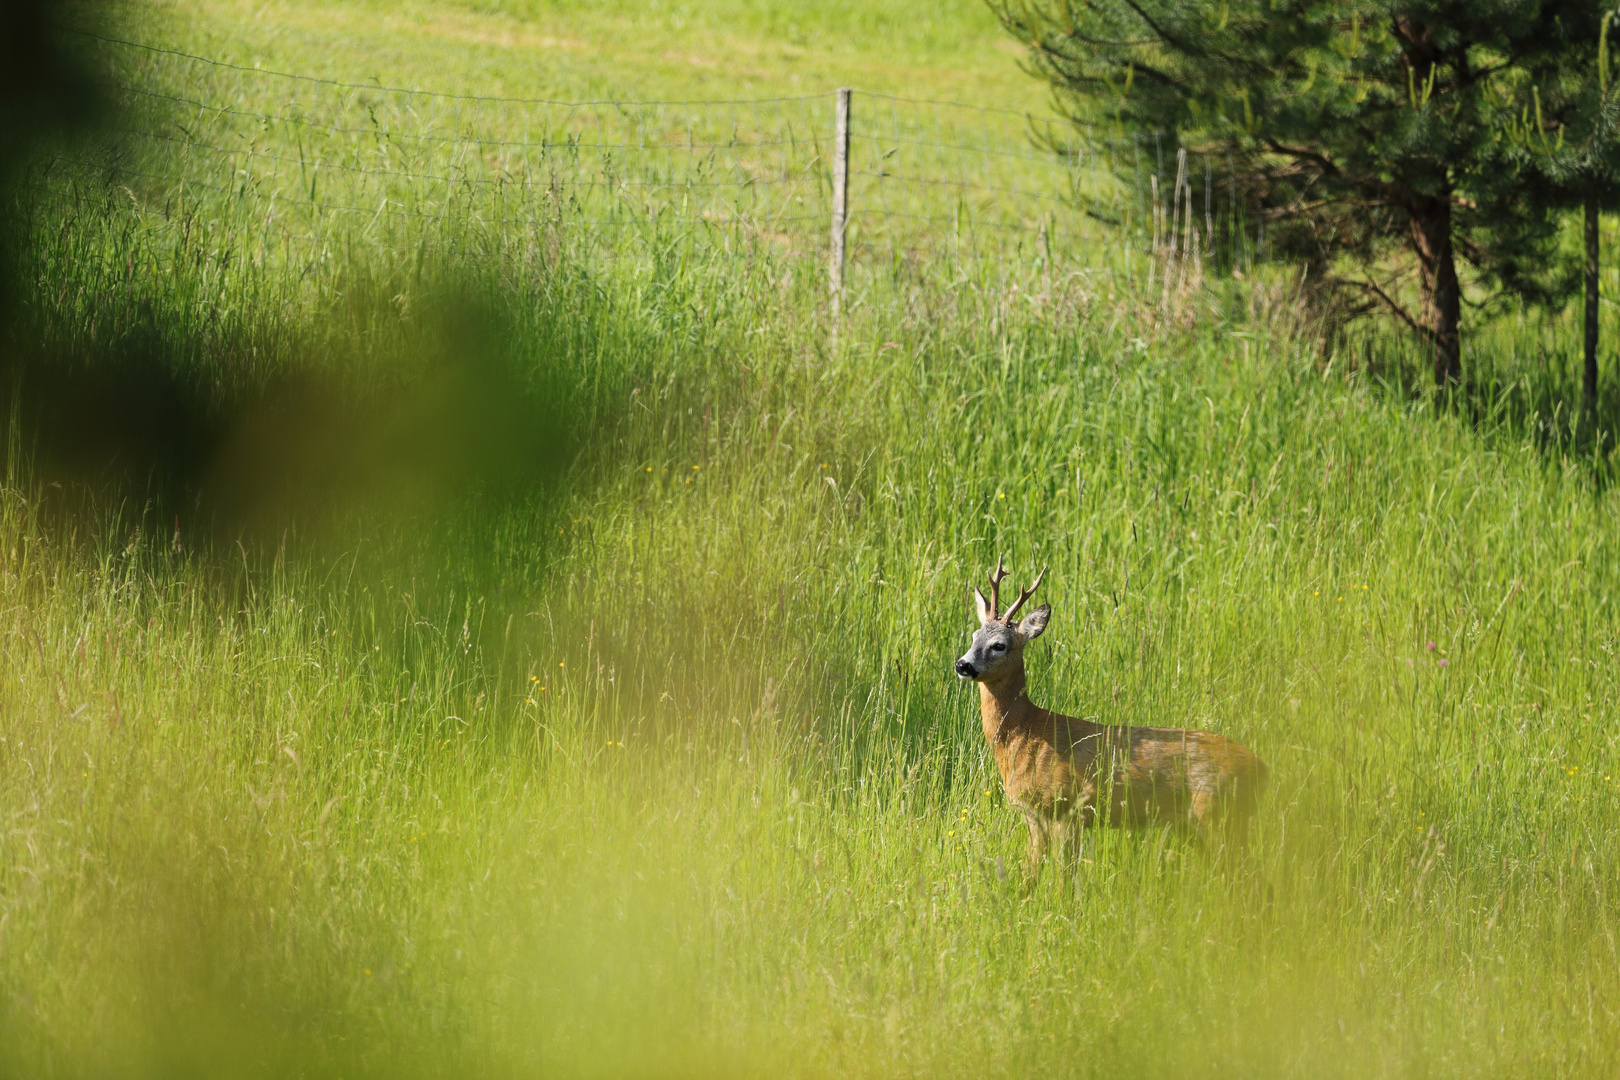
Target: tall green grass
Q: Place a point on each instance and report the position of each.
(615, 731)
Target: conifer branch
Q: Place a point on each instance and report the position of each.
(1390, 304)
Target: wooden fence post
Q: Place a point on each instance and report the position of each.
(840, 195)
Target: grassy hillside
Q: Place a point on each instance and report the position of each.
(576, 50)
(519, 664)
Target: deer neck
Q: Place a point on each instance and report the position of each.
(1004, 704)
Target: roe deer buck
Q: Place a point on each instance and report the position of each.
(1066, 774)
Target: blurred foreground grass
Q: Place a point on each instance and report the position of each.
(527, 667)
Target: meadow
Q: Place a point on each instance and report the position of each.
(519, 662)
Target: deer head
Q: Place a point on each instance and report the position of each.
(998, 643)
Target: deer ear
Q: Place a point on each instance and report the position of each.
(1032, 624)
(983, 605)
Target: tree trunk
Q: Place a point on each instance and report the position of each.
(1442, 296)
(1591, 379)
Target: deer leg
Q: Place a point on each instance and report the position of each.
(1037, 850)
(1078, 827)
(1222, 830)
(1067, 836)
(1235, 835)
(1061, 840)
(1203, 823)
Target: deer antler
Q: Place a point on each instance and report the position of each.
(995, 588)
(1023, 594)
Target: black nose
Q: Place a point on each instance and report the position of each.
(965, 669)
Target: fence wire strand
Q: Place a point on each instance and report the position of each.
(926, 177)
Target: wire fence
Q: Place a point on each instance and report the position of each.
(314, 162)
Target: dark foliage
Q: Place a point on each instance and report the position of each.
(1374, 137)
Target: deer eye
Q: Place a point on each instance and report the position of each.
(999, 646)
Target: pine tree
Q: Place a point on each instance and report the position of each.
(1568, 133)
(1372, 136)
